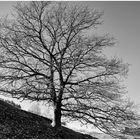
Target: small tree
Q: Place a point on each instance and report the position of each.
(48, 54)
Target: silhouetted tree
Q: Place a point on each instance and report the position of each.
(49, 52)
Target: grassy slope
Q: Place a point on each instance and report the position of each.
(16, 123)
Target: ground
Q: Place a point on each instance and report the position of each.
(19, 124)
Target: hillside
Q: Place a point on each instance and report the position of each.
(19, 124)
(97, 134)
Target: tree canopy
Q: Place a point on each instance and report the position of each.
(50, 52)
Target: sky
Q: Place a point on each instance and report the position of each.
(122, 21)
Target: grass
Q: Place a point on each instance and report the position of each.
(19, 124)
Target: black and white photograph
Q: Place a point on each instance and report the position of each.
(69, 69)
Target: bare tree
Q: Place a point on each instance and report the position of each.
(48, 54)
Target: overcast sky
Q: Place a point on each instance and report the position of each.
(122, 21)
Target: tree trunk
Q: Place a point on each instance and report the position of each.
(57, 116)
